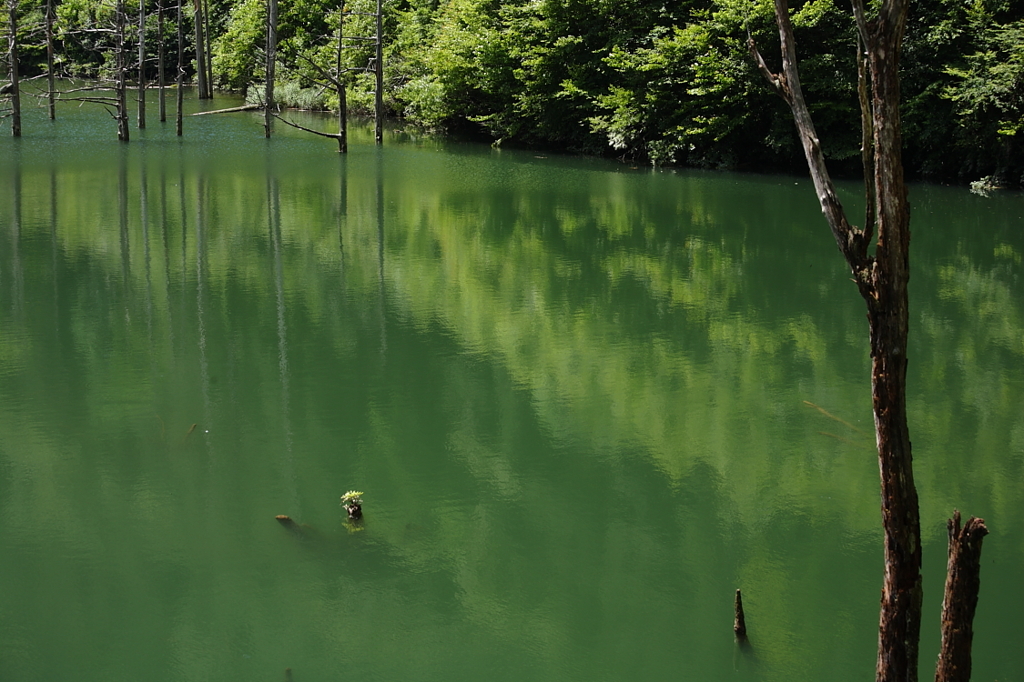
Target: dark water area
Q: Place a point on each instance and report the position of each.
(585, 403)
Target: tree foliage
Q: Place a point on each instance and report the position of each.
(666, 83)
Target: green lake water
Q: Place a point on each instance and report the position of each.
(585, 403)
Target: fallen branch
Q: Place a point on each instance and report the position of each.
(246, 107)
(333, 136)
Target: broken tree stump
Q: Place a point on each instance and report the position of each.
(963, 580)
(739, 624)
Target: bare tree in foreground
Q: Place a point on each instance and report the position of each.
(882, 280)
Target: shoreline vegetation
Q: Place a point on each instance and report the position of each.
(664, 85)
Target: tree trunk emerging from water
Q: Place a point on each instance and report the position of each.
(378, 69)
(12, 54)
(200, 50)
(161, 76)
(882, 281)
(179, 97)
(209, 50)
(142, 64)
(50, 85)
(963, 579)
(121, 109)
(268, 104)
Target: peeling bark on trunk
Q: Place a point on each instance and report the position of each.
(963, 580)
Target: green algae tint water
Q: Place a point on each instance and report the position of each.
(581, 401)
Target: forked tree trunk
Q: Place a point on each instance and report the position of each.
(882, 281)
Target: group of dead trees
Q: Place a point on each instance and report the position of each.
(115, 33)
(114, 37)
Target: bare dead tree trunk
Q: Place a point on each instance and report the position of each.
(200, 50)
(161, 76)
(342, 89)
(122, 99)
(888, 318)
(50, 86)
(378, 106)
(179, 93)
(209, 49)
(142, 64)
(268, 104)
(963, 580)
(882, 281)
(12, 54)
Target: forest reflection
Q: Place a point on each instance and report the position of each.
(623, 309)
(662, 341)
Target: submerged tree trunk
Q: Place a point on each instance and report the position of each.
(882, 281)
(12, 54)
(961, 598)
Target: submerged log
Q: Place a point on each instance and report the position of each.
(963, 580)
(290, 525)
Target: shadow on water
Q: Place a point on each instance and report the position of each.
(744, 658)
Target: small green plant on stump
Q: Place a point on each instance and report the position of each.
(352, 501)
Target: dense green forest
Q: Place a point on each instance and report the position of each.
(668, 83)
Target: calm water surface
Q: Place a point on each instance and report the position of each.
(585, 403)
